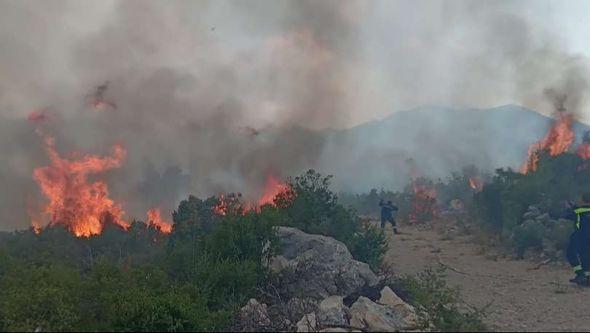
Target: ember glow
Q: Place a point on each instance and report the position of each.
(557, 141)
(155, 219)
(82, 206)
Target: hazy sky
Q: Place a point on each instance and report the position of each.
(381, 56)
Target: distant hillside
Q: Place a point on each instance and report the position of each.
(440, 140)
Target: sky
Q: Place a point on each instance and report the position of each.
(395, 54)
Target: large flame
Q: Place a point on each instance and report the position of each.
(82, 206)
(155, 219)
(557, 141)
(272, 188)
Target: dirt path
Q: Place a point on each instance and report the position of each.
(523, 299)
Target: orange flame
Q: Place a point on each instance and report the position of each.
(83, 207)
(231, 202)
(557, 141)
(155, 219)
(272, 188)
(476, 184)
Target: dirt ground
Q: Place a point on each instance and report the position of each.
(522, 298)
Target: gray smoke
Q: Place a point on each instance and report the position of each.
(210, 97)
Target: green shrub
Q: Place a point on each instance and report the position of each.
(45, 297)
(560, 234)
(443, 305)
(311, 206)
(529, 235)
(370, 245)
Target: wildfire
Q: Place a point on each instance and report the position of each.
(231, 202)
(424, 201)
(272, 188)
(155, 218)
(476, 184)
(82, 206)
(557, 141)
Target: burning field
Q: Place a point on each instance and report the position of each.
(78, 199)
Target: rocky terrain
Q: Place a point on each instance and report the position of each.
(320, 287)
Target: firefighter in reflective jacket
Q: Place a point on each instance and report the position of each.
(578, 249)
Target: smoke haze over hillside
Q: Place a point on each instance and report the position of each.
(209, 97)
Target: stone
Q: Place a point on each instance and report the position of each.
(408, 312)
(308, 323)
(254, 315)
(332, 312)
(315, 266)
(368, 315)
(543, 218)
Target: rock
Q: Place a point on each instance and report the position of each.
(534, 209)
(334, 329)
(529, 222)
(408, 312)
(367, 315)
(308, 323)
(315, 266)
(254, 316)
(332, 312)
(543, 218)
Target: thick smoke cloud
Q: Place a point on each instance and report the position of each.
(213, 96)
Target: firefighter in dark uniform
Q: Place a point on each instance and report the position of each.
(578, 249)
(387, 211)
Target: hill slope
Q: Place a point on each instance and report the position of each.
(440, 140)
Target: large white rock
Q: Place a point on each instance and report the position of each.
(254, 315)
(319, 266)
(332, 312)
(374, 317)
(308, 323)
(408, 312)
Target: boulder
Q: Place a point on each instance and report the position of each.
(544, 218)
(534, 209)
(368, 315)
(332, 312)
(254, 316)
(308, 323)
(407, 312)
(315, 266)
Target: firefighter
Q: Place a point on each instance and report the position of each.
(578, 249)
(387, 211)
